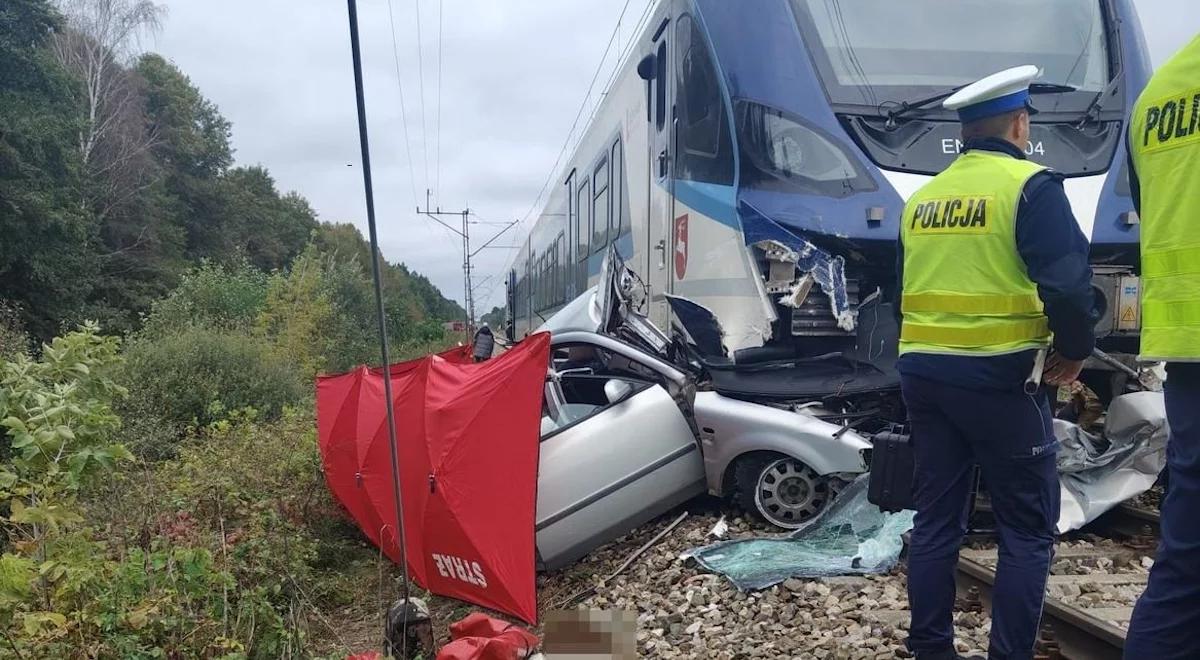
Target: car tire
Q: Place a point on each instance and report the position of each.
(781, 490)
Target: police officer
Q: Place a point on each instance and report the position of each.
(992, 265)
(1164, 146)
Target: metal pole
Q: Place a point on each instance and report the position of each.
(466, 278)
(467, 250)
(376, 256)
(464, 234)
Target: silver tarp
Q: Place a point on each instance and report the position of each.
(1098, 472)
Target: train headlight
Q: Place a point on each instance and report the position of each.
(782, 152)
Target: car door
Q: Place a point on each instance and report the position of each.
(608, 467)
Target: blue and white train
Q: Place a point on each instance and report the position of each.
(754, 157)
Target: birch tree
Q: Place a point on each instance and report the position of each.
(101, 41)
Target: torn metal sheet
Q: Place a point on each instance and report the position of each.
(780, 275)
(1098, 472)
(797, 293)
(782, 247)
(852, 536)
(700, 324)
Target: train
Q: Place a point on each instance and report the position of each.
(750, 162)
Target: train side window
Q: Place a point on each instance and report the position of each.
(527, 285)
(555, 282)
(705, 149)
(562, 261)
(571, 226)
(619, 224)
(546, 282)
(515, 303)
(583, 229)
(600, 207)
(660, 87)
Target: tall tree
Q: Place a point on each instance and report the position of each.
(139, 252)
(410, 295)
(46, 253)
(116, 176)
(99, 43)
(193, 137)
(269, 229)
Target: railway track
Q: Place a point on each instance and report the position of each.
(1128, 521)
(1091, 589)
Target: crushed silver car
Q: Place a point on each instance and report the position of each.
(635, 424)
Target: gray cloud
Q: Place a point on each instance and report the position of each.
(513, 75)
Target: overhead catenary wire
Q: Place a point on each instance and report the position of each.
(403, 107)
(421, 80)
(578, 115)
(437, 168)
(404, 112)
(567, 144)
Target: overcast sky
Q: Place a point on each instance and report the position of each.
(513, 75)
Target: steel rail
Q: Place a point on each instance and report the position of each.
(1129, 521)
(1079, 635)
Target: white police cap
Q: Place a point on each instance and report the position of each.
(996, 94)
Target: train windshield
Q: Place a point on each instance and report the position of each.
(879, 52)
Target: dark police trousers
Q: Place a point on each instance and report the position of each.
(1166, 620)
(1008, 433)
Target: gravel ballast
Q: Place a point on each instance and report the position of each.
(683, 612)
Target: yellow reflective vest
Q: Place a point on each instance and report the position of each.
(966, 290)
(1164, 141)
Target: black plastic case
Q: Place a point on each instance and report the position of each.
(891, 485)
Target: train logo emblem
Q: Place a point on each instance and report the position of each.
(681, 246)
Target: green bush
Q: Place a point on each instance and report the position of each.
(212, 296)
(198, 375)
(267, 547)
(321, 315)
(165, 601)
(56, 412)
(212, 554)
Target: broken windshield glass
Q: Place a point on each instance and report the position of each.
(852, 536)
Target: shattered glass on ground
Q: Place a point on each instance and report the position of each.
(851, 537)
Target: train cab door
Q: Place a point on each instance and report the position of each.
(656, 68)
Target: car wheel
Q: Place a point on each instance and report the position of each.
(782, 490)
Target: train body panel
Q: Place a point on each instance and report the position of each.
(760, 176)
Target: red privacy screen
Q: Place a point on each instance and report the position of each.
(468, 448)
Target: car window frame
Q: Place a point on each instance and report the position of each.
(639, 386)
